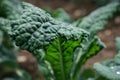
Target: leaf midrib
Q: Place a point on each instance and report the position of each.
(61, 60)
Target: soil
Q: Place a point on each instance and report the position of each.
(79, 10)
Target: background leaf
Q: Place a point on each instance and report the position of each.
(99, 18)
(60, 15)
(110, 69)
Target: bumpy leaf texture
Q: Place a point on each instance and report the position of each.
(9, 10)
(110, 69)
(36, 28)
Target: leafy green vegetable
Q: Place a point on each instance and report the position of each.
(60, 54)
(39, 29)
(110, 68)
(36, 29)
(61, 47)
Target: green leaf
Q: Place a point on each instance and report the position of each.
(92, 23)
(60, 55)
(110, 69)
(110, 72)
(99, 18)
(88, 49)
(36, 29)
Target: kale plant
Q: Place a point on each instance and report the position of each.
(60, 46)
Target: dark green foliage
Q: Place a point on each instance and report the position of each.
(32, 28)
(39, 29)
(6, 29)
(9, 68)
(10, 8)
(8, 62)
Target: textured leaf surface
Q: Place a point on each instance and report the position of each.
(36, 29)
(60, 55)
